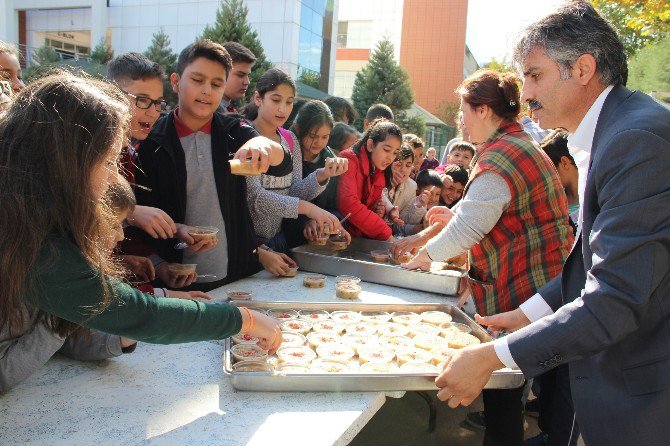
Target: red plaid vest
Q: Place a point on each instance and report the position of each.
(532, 239)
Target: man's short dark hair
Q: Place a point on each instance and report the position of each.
(572, 30)
(204, 48)
(555, 145)
(239, 53)
(457, 173)
(379, 111)
(132, 67)
(428, 177)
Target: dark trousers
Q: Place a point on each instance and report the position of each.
(557, 414)
(504, 417)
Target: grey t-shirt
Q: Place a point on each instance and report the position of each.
(202, 205)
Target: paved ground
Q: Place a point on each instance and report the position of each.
(404, 421)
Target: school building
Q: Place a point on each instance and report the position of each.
(297, 35)
(429, 41)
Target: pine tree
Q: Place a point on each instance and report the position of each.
(231, 26)
(42, 62)
(160, 52)
(382, 81)
(102, 53)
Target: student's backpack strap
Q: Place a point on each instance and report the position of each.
(288, 136)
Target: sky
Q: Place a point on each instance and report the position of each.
(493, 24)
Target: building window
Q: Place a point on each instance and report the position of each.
(342, 29)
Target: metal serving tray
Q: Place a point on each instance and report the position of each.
(354, 382)
(356, 261)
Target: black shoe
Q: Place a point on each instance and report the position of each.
(538, 440)
(476, 420)
(532, 408)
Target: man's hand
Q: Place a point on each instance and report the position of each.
(174, 280)
(466, 373)
(200, 247)
(319, 215)
(153, 221)
(141, 267)
(419, 261)
(503, 322)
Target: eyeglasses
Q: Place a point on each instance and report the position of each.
(144, 102)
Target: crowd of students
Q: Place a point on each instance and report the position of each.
(101, 184)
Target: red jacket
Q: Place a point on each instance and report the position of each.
(357, 192)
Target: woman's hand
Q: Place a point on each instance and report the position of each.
(406, 244)
(380, 209)
(439, 215)
(319, 215)
(153, 221)
(420, 261)
(257, 152)
(188, 295)
(265, 328)
(172, 279)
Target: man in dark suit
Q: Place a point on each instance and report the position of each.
(607, 317)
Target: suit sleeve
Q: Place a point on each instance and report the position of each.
(629, 238)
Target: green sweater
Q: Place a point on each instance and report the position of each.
(67, 286)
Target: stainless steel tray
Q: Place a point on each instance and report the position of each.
(305, 382)
(356, 261)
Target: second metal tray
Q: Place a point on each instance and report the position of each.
(356, 261)
(355, 382)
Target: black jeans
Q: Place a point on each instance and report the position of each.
(504, 417)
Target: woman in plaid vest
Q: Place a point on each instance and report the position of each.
(513, 221)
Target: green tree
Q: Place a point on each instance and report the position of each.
(231, 26)
(447, 111)
(42, 62)
(309, 77)
(638, 22)
(649, 69)
(382, 80)
(161, 52)
(501, 66)
(102, 53)
(414, 124)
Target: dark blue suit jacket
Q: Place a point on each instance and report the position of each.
(612, 301)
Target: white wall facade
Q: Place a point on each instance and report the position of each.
(130, 24)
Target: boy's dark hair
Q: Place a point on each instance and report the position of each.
(379, 111)
(339, 136)
(312, 115)
(239, 52)
(464, 146)
(414, 141)
(268, 81)
(133, 66)
(457, 173)
(405, 152)
(428, 177)
(555, 145)
(340, 108)
(204, 48)
(120, 197)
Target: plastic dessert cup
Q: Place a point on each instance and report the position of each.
(435, 317)
(296, 326)
(244, 339)
(203, 233)
(182, 269)
(375, 317)
(320, 338)
(296, 355)
(243, 167)
(313, 315)
(345, 316)
(239, 295)
(292, 272)
(319, 241)
(248, 352)
(337, 242)
(252, 366)
(418, 367)
(283, 315)
(345, 290)
(449, 327)
(316, 281)
(292, 339)
(403, 258)
(335, 352)
(329, 366)
(287, 367)
(379, 256)
(347, 279)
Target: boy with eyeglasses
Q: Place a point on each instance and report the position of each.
(142, 81)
